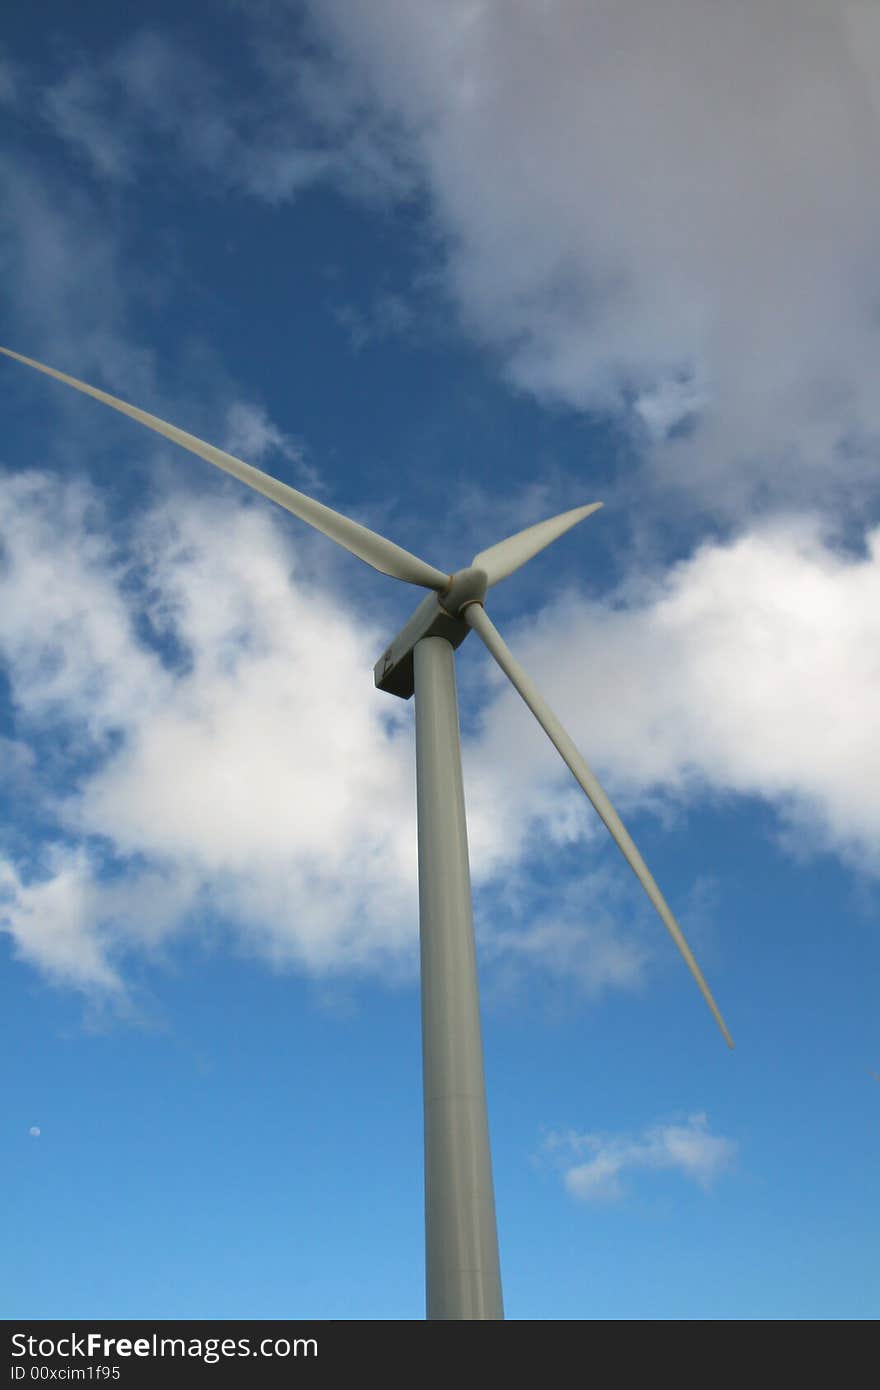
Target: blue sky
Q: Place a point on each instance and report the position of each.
(451, 269)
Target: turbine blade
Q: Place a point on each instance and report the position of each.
(479, 620)
(502, 559)
(375, 550)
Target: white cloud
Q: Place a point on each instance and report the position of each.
(52, 922)
(688, 1149)
(187, 710)
(225, 760)
(752, 667)
(66, 629)
(635, 197)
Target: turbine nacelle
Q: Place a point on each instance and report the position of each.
(394, 672)
(438, 615)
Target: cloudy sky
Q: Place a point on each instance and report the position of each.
(451, 269)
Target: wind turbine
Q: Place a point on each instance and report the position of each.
(463, 1279)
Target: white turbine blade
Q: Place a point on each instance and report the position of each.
(375, 550)
(479, 620)
(502, 559)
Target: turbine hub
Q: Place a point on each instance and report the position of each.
(466, 586)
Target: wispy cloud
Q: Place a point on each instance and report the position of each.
(113, 111)
(295, 124)
(9, 81)
(595, 1166)
(388, 314)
